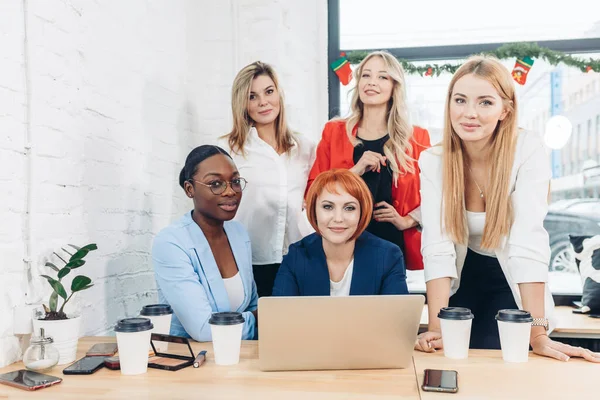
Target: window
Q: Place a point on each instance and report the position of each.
(597, 137)
(582, 146)
(589, 145)
(591, 208)
(574, 145)
(566, 162)
(396, 25)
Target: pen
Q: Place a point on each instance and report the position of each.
(200, 359)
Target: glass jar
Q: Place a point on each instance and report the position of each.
(41, 354)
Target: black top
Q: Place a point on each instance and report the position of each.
(380, 186)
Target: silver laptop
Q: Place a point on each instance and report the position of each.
(353, 332)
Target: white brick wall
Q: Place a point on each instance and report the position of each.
(119, 93)
(12, 171)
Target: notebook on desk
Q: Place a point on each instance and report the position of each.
(354, 332)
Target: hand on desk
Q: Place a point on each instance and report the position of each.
(544, 346)
(429, 341)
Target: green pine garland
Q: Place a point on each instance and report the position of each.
(506, 51)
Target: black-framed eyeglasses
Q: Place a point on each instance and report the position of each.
(219, 186)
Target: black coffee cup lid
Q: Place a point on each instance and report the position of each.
(514, 316)
(153, 310)
(133, 325)
(455, 313)
(226, 318)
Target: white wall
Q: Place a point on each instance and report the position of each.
(12, 170)
(119, 92)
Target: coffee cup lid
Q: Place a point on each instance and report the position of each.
(514, 316)
(153, 310)
(455, 313)
(226, 318)
(133, 325)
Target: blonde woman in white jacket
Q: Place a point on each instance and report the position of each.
(484, 195)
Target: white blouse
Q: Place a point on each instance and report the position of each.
(235, 291)
(271, 206)
(475, 225)
(342, 288)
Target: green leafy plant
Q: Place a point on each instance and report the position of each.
(79, 283)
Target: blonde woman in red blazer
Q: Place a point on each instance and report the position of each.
(377, 143)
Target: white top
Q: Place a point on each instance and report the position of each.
(475, 225)
(271, 206)
(524, 254)
(342, 288)
(235, 291)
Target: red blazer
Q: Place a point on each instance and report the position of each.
(336, 151)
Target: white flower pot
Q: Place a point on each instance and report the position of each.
(65, 333)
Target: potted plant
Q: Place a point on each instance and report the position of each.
(63, 328)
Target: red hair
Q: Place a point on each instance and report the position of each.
(352, 184)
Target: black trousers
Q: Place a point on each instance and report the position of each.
(483, 289)
(264, 276)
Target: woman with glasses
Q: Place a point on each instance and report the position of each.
(203, 261)
(276, 162)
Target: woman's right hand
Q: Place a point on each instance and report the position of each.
(370, 161)
(429, 341)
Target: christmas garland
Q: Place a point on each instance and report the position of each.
(510, 50)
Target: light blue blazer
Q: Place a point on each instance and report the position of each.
(189, 280)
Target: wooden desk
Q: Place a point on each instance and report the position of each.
(484, 375)
(571, 325)
(568, 325)
(242, 381)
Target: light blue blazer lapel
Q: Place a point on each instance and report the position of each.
(210, 269)
(239, 248)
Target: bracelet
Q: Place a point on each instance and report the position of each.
(540, 322)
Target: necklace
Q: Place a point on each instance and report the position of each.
(472, 177)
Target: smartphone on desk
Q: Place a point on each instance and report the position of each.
(85, 366)
(28, 380)
(436, 380)
(102, 349)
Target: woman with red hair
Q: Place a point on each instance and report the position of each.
(340, 258)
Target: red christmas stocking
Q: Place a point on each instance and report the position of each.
(342, 69)
(521, 69)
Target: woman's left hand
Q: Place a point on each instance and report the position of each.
(387, 213)
(544, 346)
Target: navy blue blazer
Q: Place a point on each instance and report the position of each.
(378, 268)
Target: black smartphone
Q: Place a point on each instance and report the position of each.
(437, 380)
(28, 380)
(102, 349)
(85, 366)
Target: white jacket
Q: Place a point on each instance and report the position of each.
(525, 254)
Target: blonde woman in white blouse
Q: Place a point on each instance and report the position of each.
(484, 199)
(276, 162)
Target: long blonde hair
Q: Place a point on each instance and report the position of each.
(499, 212)
(398, 147)
(240, 95)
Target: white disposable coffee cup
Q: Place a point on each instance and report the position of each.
(226, 329)
(133, 336)
(456, 331)
(514, 327)
(160, 315)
